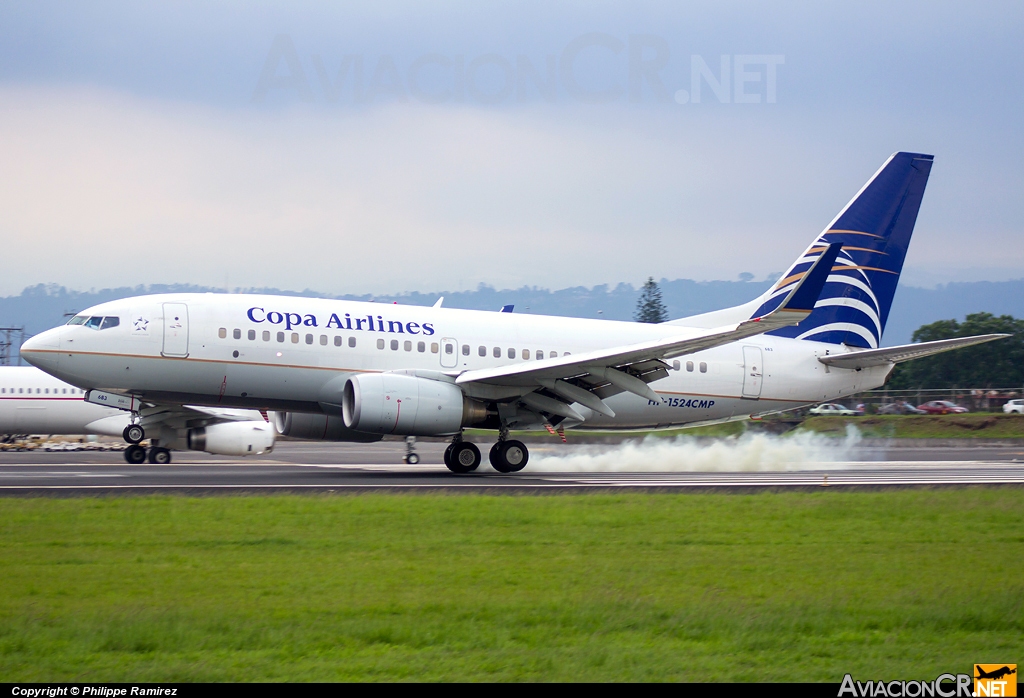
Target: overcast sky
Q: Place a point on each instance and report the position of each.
(387, 147)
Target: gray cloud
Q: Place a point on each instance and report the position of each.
(134, 149)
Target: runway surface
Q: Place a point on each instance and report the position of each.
(318, 467)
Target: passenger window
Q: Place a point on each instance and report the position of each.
(323, 340)
(540, 354)
(337, 340)
(497, 352)
(236, 333)
(352, 341)
(380, 343)
(689, 366)
(433, 347)
(295, 337)
(465, 350)
(703, 367)
(47, 391)
(94, 322)
(252, 335)
(222, 333)
(280, 336)
(482, 351)
(394, 345)
(675, 365)
(20, 391)
(109, 322)
(408, 345)
(266, 335)
(421, 347)
(566, 353)
(449, 348)
(526, 353)
(511, 353)
(65, 391)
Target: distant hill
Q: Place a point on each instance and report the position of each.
(43, 306)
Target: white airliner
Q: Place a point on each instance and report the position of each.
(34, 402)
(349, 371)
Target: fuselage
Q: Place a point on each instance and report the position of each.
(283, 353)
(34, 402)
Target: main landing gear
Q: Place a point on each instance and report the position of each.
(506, 456)
(136, 454)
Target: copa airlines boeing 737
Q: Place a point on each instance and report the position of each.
(348, 371)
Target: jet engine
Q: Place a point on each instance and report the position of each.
(392, 403)
(318, 427)
(233, 438)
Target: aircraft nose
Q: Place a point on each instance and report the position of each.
(43, 350)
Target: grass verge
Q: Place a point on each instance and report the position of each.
(949, 426)
(788, 586)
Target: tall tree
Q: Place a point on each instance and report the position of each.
(649, 307)
(998, 364)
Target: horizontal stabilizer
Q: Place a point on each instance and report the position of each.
(895, 355)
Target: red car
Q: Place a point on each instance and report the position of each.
(941, 407)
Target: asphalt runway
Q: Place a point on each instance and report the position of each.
(322, 467)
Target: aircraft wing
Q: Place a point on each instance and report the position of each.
(906, 352)
(588, 377)
(181, 416)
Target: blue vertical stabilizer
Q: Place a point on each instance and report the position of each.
(874, 229)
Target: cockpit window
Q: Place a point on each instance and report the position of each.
(96, 322)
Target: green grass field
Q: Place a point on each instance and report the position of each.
(785, 586)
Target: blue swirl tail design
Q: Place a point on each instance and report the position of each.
(874, 229)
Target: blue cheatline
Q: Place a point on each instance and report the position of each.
(874, 229)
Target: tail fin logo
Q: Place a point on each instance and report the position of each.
(875, 230)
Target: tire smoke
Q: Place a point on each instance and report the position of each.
(746, 453)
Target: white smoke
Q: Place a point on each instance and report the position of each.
(747, 453)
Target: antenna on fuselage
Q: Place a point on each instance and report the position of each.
(438, 302)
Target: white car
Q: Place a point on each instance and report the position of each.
(833, 409)
(1014, 406)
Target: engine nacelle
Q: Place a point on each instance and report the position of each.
(393, 403)
(233, 438)
(318, 427)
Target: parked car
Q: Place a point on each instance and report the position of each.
(942, 407)
(833, 409)
(1014, 406)
(899, 408)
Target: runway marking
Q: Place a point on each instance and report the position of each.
(53, 474)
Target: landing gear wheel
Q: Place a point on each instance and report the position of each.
(509, 456)
(448, 456)
(464, 458)
(159, 456)
(135, 454)
(133, 433)
(410, 456)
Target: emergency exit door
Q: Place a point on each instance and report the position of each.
(175, 329)
(753, 372)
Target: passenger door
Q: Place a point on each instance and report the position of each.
(175, 330)
(753, 371)
(449, 353)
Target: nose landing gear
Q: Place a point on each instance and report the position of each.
(410, 456)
